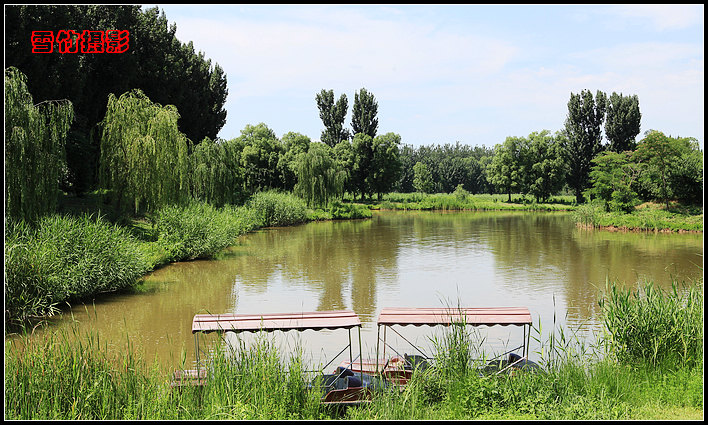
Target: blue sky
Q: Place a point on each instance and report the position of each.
(442, 74)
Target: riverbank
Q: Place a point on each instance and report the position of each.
(646, 217)
(464, 201)
(73, 377)
(88, 249)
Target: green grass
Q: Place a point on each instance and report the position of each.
(463, 201)
(649, 217)
(69, 376)
(65, 258)
(278, 209)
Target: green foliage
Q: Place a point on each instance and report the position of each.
(34, 149)
(583, 131)
(385, 164)
(654, 326)
(363, 156)
(260, 151)
(686, 177)
(66, 258)
(294, 144)
(168, 71)
(423, 179)
(320, 178)
(545, 167)
(143, 155)
(278, 209)
(364, 113)
(660, 153)
(460, 193)
(199, 230)
(612, 176)
(340, 211)
(214, 174)
(507, 168)
(332, 116)
(623, 122)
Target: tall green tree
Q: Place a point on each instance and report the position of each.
(144, 160)
(363, 149)
(213, 177)
(583, 137)
(293, 144)
(623, 122)
(260, 153)
(385, 166)
(34, 149)
(423, 178)
(612, 176)
(547, 167)
(660, 152)
(364, 112)
(506, 170)
(320, 179)
(332, 115)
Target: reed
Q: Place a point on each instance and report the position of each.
(463, 201)
(278, 208)
(655, 326)
(66, 258)
(199, 230)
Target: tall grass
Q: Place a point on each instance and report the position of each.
(278, 208)
(592, 214)
(200, 230)
(65, 258)
(655, 326)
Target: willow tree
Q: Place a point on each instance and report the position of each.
(34, 149)
(213, 178)
(320, 179)
(143, 155)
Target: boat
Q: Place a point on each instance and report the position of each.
(343, 387)
(399, 369)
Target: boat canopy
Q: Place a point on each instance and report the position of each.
(337, 319)
(479, 316)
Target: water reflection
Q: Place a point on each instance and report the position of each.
(410, 259)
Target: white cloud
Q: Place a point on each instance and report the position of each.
(663, 16)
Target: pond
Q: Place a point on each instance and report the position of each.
(396, 259)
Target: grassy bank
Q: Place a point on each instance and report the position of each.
(76, 255)
(70, 377)
(462, 200)
(649, 217)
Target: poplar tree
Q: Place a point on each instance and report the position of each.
(332, 116)
(34, 149)
(623, 122)
(143, 154)
(583, 131)
(364, 113)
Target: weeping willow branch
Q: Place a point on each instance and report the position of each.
(144, 158)
(35, 136)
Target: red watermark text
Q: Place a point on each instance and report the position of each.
(70, 41)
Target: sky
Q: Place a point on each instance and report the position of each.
(474, 74)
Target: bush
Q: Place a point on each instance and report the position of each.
(339, 211)
(65, 258)
(278, 209)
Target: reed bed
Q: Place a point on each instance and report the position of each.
(278, 208)
(63, 258)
